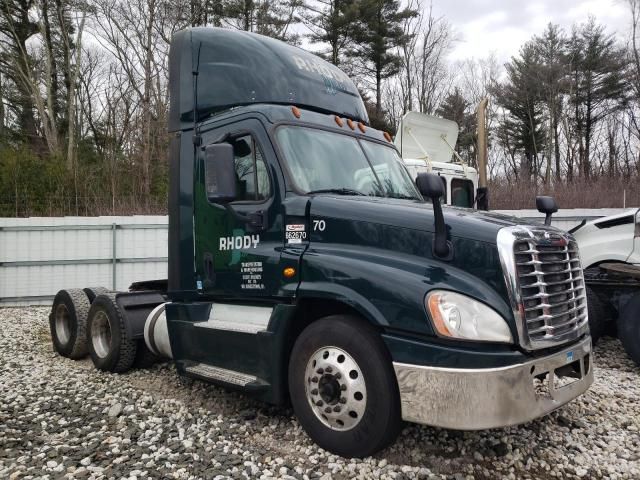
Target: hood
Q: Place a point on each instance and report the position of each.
(425, 137)
(414, 215)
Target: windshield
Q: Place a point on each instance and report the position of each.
(322, 161)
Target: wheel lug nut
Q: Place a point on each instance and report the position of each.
(320, 371)
(319, 403)
(314, 379)
(328, 369)
(336, 408)
(338, 376)
(327, 410)
(343, 387)
(343, 400)
(314, 391)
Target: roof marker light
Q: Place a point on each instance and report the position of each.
(362, 127)
(352, 125)
(295, 111)
(387, 136)
(339, 121)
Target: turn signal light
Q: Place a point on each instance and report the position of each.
(436, 315)
(289, 272)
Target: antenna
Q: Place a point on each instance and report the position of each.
(195, 67)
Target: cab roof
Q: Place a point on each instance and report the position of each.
(229, 68)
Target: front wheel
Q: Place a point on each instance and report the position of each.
(343, 388)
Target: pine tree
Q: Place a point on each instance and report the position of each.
(456, 108)
(520, 97)
(273, 18)
(16, 27)
(331, 22)
(551, 50)
(599, 87)
(377, 33)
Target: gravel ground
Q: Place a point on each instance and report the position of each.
(64, 419)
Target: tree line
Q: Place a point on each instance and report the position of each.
(84, 93)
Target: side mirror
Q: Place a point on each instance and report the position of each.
(220, 173)
(431, 186)
(548, 206)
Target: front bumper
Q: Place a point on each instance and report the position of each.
(475, 399)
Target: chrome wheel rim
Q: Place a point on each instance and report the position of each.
(63, 324)
(335, 388)
(101, 334)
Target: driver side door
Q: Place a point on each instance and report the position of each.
(237, 246)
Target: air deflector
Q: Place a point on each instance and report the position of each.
(240, 68)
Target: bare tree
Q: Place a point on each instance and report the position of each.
(130, 32)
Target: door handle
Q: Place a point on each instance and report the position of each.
(257, 220)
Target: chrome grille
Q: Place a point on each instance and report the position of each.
(546, 283)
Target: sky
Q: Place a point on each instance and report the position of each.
(502, 26)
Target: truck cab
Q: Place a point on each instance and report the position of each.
(427, 145)
(307, 266)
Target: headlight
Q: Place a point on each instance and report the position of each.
(457, 316)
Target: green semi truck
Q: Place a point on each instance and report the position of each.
(306, 266)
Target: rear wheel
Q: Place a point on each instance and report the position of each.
(93, 292)
(629, 328)
(68, 323)
(343, 388)
(110, 346)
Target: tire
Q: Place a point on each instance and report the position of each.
(93, 292)
(629, 328)
(68, 323)
(145, 358)
(598, 323)
(346, 344)
(110, 347)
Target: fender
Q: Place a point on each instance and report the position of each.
(388, 288)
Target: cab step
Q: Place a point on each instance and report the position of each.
(223, 375)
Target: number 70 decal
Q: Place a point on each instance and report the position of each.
(319, 225)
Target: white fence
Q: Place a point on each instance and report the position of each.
(39, 256)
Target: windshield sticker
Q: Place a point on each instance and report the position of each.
(239, 242)
(295, 233)
(251, 276)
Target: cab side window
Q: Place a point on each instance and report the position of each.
(251, 172)
(462, 193)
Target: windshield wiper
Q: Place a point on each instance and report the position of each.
(339, 191)
(401, 196)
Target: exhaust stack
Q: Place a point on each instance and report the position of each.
(482, 196)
